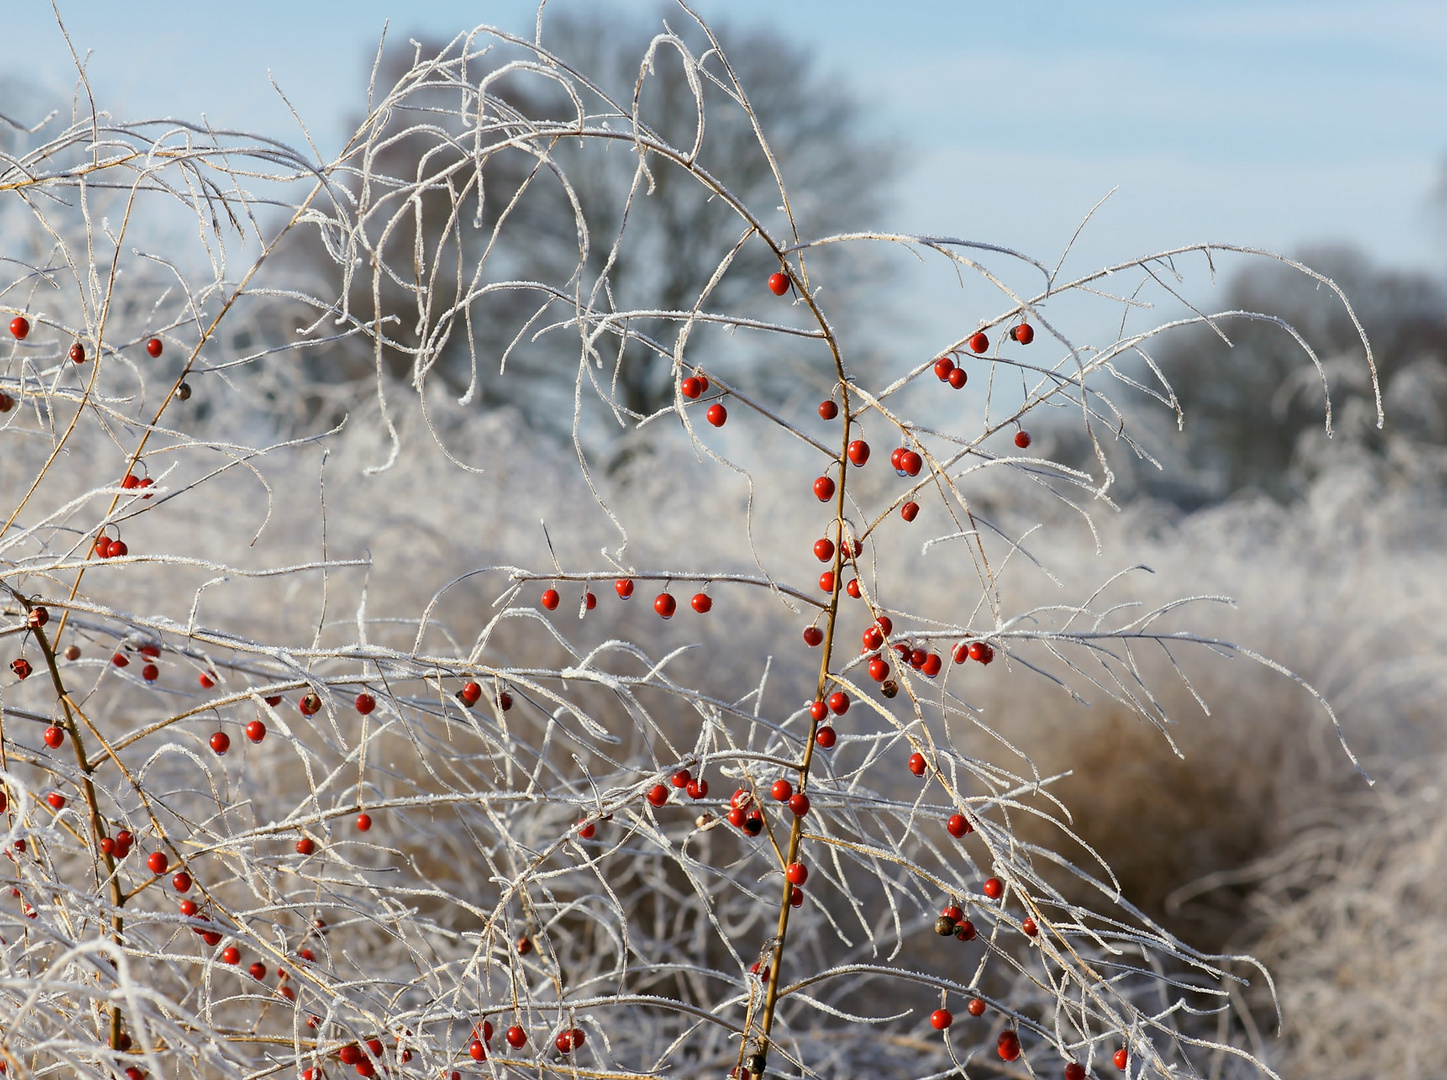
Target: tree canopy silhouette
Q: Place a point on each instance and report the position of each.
(630, 229)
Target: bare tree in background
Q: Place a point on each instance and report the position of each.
(1253, 401)
(654, 238)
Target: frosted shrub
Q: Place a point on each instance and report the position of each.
(364, 747)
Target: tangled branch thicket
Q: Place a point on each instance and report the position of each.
(326, 759)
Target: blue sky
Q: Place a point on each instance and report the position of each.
(1273, 124)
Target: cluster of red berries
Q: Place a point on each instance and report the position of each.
(108, 548)
(946, 371)
(20, 329)
(470, 694)
(744, 813)
(696, 788)
(664, 603)
(979, 651)
(695, 386)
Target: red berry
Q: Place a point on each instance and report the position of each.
(736, 818)
(909, 511)
(824, 489)
(150, 673)
(952, 912)
(959, 825)
(717, 415)
(117, 549)
(77, 353)
(697, 789)
(910, 463)
(38, 616)
(158, 862)
(943, 366)
(477, 1050)
(979, 342)
(364, 822)
(828, 410)
(1024, 333)
(779, 283)
(516, 1037)
(1074, 1071)
(981, 652)
(825, 737)
(568, 1041)
(852, 588)
(858, 452)
(1121, 1059)
(917, 764)
(6, 402)
(799, 803)
(741, 799)
(994, 888)
(958, 378)
(207, 680)
(976, 1007)
(470, 694)
(231, 955)
(181, 882)
(523, 945)
(586, 829)
(504, 701)
(839, 703)
(826, 581)
(1031, 930)
(681, 778)
(878, 669)
(818, 710)
(56, 800)
(796, 898)
(21, 667)
(781, 790)
(20, 326)
(690, 387)
(872, 638)
(665, 605)
(256, 731)
(365, 703)
(550, 599)
(309, 705)
(1022, 439)
(658, 795)
(965, 931)
(1008, 1045)
(961, 653)
(703, 382)
(701, 603)
(623, 587)
(305, 846)
(754, 823)
(154, 346)
(813, 636)
(54, 737)
(932, 665)
(823, 549)
(257, 971)
(589, 601)
(797, 873)
(274, 700)
(220, 741)
(941, 1019)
